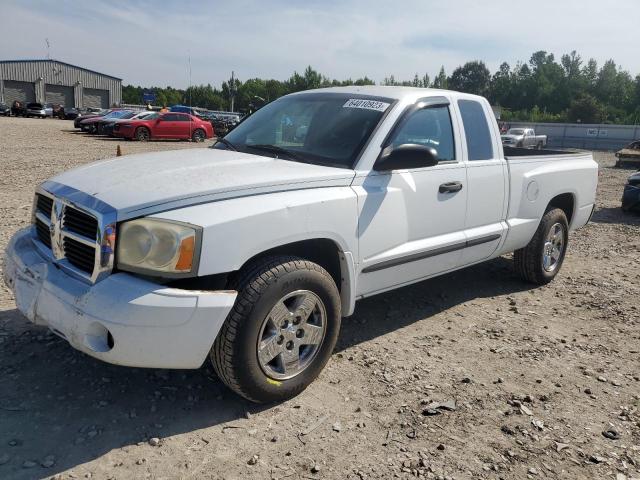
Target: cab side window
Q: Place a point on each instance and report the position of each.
(476, 129)
(430, 127)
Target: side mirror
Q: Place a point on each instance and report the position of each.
(407, 155)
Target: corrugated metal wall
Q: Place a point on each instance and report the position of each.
(41, 72)
(585, 136)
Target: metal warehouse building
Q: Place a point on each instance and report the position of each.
(53, 81)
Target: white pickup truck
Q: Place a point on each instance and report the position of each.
(251, 252)
(524, 138)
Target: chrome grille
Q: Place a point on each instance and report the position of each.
(79, 255)
(80, 223)
(78, 234)
(44, 204)
(43, 233)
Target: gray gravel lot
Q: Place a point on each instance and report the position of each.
(537, 374)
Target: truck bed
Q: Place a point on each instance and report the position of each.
(531, 152)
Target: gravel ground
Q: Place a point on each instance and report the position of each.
(472, 375)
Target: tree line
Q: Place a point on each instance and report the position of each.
(541, 90)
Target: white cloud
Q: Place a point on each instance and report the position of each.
(148, 43)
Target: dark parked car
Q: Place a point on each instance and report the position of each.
(5, 110)
(94, 124)
(55, 110)
(35, 109)
(222, 124)
(18, 109)
(85, 114)
(71, 113)
(631, 194)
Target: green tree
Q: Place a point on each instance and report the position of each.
(473, 77)
(586, 109)
(441, 80)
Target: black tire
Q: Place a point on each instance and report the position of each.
(234, 354)
(520, 145)
(528, 261)
(143, 134)
(198, 136)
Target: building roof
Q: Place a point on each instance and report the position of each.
(53, 60)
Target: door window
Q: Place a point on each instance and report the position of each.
(476, 129)
(430, 127)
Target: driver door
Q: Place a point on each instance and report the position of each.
(411, 221)
(167, 126)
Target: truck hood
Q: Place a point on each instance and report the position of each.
(148, 183)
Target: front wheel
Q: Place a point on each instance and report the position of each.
(540, 261)
(281, 331)
(198, 136)
(143, 134)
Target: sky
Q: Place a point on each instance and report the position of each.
(150, 43)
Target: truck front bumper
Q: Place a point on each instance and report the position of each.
(123, 319)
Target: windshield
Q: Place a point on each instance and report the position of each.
(119, 114)
(322, 128)
(515, 131)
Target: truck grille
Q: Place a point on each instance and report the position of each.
(80, 223)
(44, 204)
(69, 234)
(43, 233)
(79, 255)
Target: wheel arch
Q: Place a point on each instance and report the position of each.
(565, 202)
(135, 131)
(326, 253)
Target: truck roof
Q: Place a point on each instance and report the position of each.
(394, 92)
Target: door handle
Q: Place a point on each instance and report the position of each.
(450, 187)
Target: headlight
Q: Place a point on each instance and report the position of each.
(149, 245)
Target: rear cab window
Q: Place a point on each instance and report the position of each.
(476, 130)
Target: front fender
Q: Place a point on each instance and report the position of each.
(238, 229)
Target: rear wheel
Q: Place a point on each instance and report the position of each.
(540, 261)
(143, 134)
(281, 331)
(198, 136)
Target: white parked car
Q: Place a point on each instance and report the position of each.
(524, 138)
(251, 252)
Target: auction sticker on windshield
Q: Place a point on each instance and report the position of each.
(367, 104)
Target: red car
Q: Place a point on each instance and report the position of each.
(165, 125)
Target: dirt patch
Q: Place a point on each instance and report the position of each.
(470, 375)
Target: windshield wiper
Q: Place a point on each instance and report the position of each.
(227, 143)
(275, 149)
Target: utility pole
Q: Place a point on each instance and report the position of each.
(232, 89)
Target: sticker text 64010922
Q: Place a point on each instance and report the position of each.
(366, 104)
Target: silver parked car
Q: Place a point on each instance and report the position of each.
(524, 137)
(35, 110)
